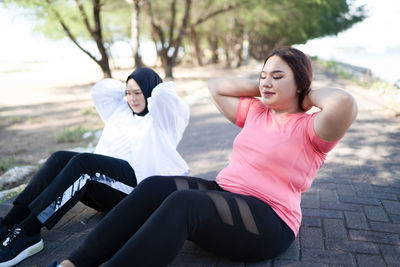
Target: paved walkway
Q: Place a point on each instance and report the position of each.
(351, 213)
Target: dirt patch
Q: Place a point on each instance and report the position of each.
(36, 108)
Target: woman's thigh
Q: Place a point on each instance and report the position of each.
(237, 226)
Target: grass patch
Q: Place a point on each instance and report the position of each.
(13, 193)
(71, 135)
(14, 120)
(33, 120)
(91, 111)
(373, 84)
(6, 164)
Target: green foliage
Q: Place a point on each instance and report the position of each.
(6, 164)
(13, 193)
(265, 23)
(71, 135)
(115, 18)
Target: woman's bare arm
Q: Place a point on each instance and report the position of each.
(338, 111)
(227, 91)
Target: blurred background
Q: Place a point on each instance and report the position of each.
(52, 51)
(123, 33)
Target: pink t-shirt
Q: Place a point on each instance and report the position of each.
(275, 158)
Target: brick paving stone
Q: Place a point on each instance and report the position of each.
(311, 237)
(322, 213)
(385, 227)
(345, 190)
(340, 206)
(391, 254)
(311, 221)
(228, 263)
(299, 264)
(358, 200)
(386, 189)
(352, 246)
(334, 229)
(376, 237)
(292, 253)
(54, 235)
(370, 260)
(328, 257)
(394, 218)
(325, 186)
(376, 213)
(363, 187)
(258, 264)
(392, 207)
(378, 195)
(328, 195)
(310, 201)
(189, 260)
(356, 220)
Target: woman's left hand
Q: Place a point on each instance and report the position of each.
(307, 104)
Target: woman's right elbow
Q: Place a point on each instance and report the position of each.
(212, 86)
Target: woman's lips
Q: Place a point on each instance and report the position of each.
(268, 94)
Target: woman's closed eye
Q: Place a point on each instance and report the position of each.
(262, 77)
(133, 93)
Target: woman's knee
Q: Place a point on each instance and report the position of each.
(151, 182)
(60, 155)
(81, 159)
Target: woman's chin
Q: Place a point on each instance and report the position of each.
(137, 110)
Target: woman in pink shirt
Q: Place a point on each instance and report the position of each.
(252, 211)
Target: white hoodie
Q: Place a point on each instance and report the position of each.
(148, 143)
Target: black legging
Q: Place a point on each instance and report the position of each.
(150, 226)
(68, 177)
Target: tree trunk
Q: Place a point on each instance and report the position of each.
(227, 48)
(98, 37)
(103, 63)
(95, 33)
(213, 39)
(168, 69)
(239, 45)
(197, 50)
(135, 33)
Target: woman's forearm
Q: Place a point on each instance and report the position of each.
(338, 111)
(330, 99)
(234, 87)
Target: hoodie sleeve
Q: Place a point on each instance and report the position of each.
(107, 95)
(170, 113)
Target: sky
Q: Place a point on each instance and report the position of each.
(376, 33)
(374, 36)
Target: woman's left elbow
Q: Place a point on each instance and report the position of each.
(349, 104)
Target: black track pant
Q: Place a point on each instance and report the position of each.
(98, 181)
(150, 226)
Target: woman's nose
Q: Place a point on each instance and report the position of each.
(266, 83)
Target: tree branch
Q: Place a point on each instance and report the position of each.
(215, 13)
(173, 17)
(84, 16)
(155, 27)
(182, 32)
(68, 32)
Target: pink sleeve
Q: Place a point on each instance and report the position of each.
(243, 110)
(318, 143)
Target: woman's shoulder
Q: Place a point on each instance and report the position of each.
(108, 83)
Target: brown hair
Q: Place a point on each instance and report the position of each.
(300, 64)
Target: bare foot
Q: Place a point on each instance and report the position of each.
(67, 263)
